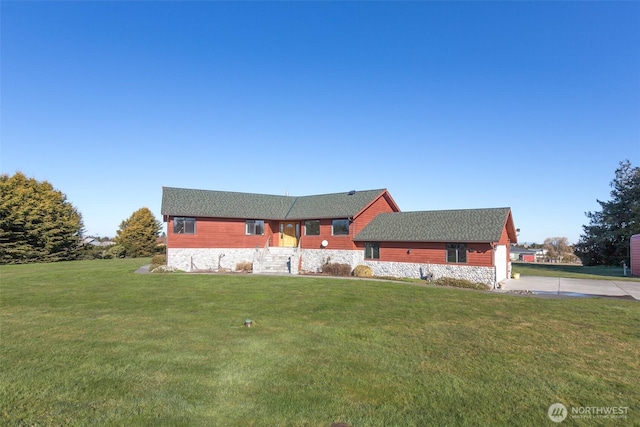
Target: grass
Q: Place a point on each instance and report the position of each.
(91, 343)
(573, 271)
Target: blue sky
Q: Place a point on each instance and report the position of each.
(448, 105)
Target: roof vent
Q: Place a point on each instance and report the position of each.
(352, 192)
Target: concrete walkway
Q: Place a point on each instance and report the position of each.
(143, 270)
(573, 287)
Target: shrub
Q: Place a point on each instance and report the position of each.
(91, 252)
(362, 271)
(460, 283)
(335, 269)
(245, 266)
(115, 251)
(157, 261)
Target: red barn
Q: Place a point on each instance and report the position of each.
(528, 257)
(635, 255)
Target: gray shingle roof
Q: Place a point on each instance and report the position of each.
(338, 205)
(517, 250)
(466, 225)
(224, 204)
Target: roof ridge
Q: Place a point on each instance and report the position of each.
(217, 203)
(274, 195)
(453, 210)
(343, 192)
(227, 192)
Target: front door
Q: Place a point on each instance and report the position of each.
(288, 234)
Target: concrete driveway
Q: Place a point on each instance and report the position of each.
(573, 287)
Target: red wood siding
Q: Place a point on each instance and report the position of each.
(479, 254)
(504, 237)
(230, 233)
(219, 233)
(380, 205)
(335, 242)
(504, 240)
(512, 233)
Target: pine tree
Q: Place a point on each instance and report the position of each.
(37, 222)
(606, 239)
(139, 233)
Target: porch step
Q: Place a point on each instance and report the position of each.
(280, 261)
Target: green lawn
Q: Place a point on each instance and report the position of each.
(573, 271)
(91, 343)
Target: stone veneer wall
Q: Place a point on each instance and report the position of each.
(404, 269)
(313, 259)
(188, 259)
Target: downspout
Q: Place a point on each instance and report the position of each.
(300, 251)
(353, 236)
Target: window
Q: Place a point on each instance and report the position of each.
(184, 225)
(372, 250)
(340, 227)
(456, 252)
(312, 227)
(255, 226)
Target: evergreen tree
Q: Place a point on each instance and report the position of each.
(606, 239)
(37, 223)
(139, 233)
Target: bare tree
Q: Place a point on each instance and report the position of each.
(558, 249)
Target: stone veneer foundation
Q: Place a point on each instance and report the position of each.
(484, 275)
(208, 259)
(222, 259)
(313, 259)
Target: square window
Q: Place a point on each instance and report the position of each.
(184, 225)
(456, 253)
(372, 250)
(312, 227)
(340, 227)
(254, 227)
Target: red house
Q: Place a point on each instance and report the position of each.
(217, 230)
